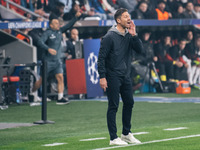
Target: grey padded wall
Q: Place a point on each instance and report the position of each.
(19, 51)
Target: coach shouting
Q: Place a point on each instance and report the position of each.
(114, 66)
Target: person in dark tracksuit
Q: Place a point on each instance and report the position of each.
(164, 66)
(114, 66)
(50, 42)
(175, 55)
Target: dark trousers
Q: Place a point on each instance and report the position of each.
(165, 68)
(116, 86)
(180, 73)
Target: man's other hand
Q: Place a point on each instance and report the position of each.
(52, 51)
(103, 83)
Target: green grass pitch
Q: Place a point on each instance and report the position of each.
(87, 119)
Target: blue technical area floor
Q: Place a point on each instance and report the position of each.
(158, 99)
(167, 100)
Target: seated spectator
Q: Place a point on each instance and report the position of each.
(52, 3)
(161, 14)
(88, 9)
(173, 5)
(107, 7)
(192, 52)
(114, 4)
(178, 13)
(59, 10)
(75, 8)
(68, 5)
(163, 65)
(167, 5)
(98, 10)
(29, 4)
(148, 47)
(141, 12)
(175, 55)
(128, 4)
(196, 79)
(72, 51)
(189, 11)
(43, 6)
(190, 46)
(85, 7)
(151, 3)
(189, 36)
(196, 10)
(143, 63)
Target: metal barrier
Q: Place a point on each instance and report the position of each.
(22, 8)
(44, 89)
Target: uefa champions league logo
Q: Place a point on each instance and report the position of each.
(92, 69)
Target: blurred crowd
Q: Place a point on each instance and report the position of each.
(104, 9)
(176, 55)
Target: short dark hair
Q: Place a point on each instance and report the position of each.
(51, 17)
(60, 4)
(142, 2)
(161, 1)
(119, 13)
(181, 39)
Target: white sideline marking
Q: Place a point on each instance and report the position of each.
(173, 129)
(139, 133)
(54, 144)
(197, 102)
(102, 138)
(93, 139)
(159, 102)
(148, 142)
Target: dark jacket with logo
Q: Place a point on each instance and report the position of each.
(52, 39)
(115, 53)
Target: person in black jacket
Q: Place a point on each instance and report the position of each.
(141, 12)
(36, 35)
(189, 11)
(175, 55)
(192, 52)
(163, 65)
(114, 67)
(74, 37)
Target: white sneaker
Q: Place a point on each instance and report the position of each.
(39, 99)
(48, 99)
(117, 141)
(130, 139)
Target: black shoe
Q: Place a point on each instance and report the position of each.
(63, 101)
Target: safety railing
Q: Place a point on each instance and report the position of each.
(22, 8)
